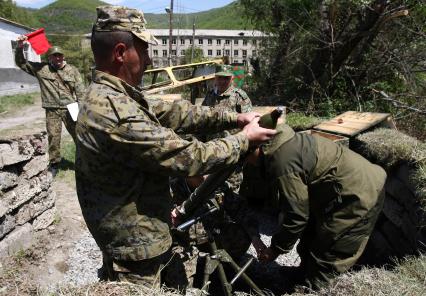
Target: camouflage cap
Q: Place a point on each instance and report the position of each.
(55, 49)
(119, 18)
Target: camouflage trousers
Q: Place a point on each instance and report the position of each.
(54, 119)
(172, 269)
(321, 261)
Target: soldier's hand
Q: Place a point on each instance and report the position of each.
(176, 217)
(256, 134)
(21, 40)
(267, 255)
(245, 118)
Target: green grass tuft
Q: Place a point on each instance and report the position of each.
(301, 122)
(11, 103)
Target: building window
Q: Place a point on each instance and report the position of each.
(174, 52)
(254, 53)
(182, 52)
(164, 53)
(209, 41)
(200, 41)
(190, 41)
(227, 52)
(164, 41)
(210, 52)
(236, 61)
(254, 41)
(244, 42)
(227, 42)
(235, 52)
(218, 42)
(174, 41)
(218, 52)
(244, 53)
(155, 53)
(182, 41)
(235, 41)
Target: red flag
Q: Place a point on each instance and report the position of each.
(38, 41)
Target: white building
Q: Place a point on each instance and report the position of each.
(12, 79)
(238, 45)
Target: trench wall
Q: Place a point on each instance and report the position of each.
(27, 202)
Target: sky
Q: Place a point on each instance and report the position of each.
(147, 6)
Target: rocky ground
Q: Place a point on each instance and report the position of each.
(65, 253)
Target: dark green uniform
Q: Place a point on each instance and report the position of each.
(58, 89)
(329, 197)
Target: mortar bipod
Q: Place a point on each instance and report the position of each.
(216, 257)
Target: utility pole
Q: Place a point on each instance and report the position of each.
(170, 31)
(193, 40)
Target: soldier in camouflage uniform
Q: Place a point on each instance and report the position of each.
(60, 85)
(329, 197)
(127, 148)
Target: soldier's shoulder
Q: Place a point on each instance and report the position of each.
(241, 93)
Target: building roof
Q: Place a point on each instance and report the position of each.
(3, 20)
(207, 33)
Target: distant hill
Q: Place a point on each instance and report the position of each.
(228, 17)
(77, 16)
(68, 16)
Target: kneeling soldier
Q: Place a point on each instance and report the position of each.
(329, 197)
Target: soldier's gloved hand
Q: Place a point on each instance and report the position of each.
(176, 217)
(268, 255)
(245, 118)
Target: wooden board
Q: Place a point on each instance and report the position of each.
(351, 123)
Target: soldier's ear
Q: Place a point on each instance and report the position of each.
(119, 52)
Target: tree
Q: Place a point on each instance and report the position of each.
(10, 11)
(332, 55)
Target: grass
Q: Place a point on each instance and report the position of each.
(66, 166)
(301, 122)
(387, 147)
(12, 103)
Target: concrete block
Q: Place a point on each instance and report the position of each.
(15, 152)
(7, 224)
(8, 178)
(45, 219)
(34, 208)
(26, 190)
(35, 166)
(19, 239)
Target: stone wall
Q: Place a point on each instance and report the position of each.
(27, 203)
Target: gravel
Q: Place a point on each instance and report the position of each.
(84, 261)
(85, 257)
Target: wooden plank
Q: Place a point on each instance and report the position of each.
(352, 123)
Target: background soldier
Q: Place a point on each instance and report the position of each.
(127, 148)
(60, 84)
(225, 97)
(329, 197)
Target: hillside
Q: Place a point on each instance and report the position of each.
(70, 16)
(77, 16)
(227, 17)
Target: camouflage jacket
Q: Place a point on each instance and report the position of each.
(58, 87)
(126, 150)
(317, 178)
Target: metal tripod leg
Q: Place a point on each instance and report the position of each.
(215, 261)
